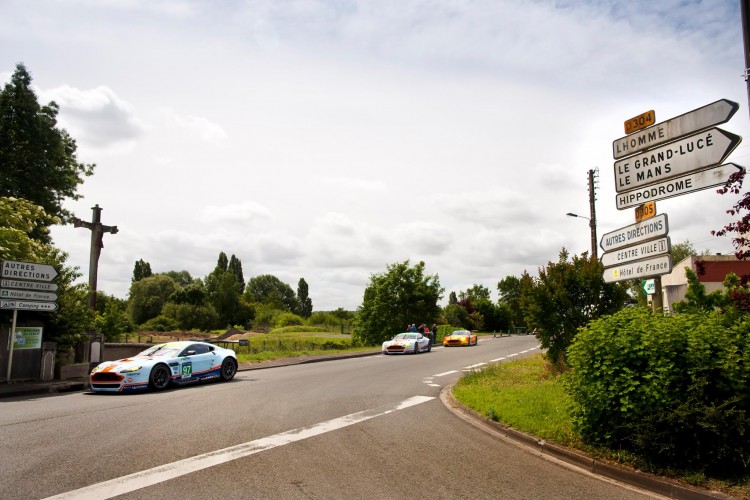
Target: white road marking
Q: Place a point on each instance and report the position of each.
(496, 360)
(150, 477)
(435, 385)
(445, 373)
(471, 367)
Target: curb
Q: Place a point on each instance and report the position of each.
(577, 459)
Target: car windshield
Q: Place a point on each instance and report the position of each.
(460, 332)
(407, 336)
(162, 350)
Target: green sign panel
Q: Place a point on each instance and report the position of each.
(649, 286)
(28, 337)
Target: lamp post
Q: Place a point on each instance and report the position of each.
(592, 225)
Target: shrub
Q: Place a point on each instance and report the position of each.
(288, 319)
(673, 390)
(160, 323)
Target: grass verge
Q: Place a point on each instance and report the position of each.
(525, 395)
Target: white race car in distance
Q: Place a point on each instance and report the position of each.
(407, 343)
(162, 364)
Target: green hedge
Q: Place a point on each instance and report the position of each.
(674, 390)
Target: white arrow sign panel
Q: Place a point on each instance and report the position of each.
(639, 232)
(27, 306)
(28, 295)
(28, 285)
(709, 115)
(696, 181)
(636, 252)
(28, 271)
(692, 153)
(639, 269)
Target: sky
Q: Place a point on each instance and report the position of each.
(328, 139)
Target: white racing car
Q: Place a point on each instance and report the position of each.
(162, 364)
(408, 342)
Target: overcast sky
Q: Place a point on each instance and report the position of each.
(326, 139)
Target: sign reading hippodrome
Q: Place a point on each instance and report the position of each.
(650, 248)
(678, 186)
(709, 115)
(649, 229)
(691, 153)
(639, 269)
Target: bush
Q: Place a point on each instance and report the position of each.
(673, 390)
(160, 323)
(288, 319)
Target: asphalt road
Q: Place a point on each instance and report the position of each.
(371, 427)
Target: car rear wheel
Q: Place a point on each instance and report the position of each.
(159, 377)
(228, 369)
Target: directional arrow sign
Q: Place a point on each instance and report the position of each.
(636, 252)
(636, 233)
(692, 153)
(28, 271)
(27, 306)
(709, 115)
(639, 269)
(696, 181)
(28, 285)
(27, 295)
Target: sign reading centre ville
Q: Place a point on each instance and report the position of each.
(639, 232)
(651, 248)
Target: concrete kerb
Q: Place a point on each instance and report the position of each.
(575, 459)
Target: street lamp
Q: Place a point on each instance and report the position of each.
(592, 225)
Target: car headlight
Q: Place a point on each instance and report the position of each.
(131, 369)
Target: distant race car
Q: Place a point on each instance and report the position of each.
(459, 338)
(162, 364)
(403, 343)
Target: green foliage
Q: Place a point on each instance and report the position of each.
(270, 290)
(265, 315)
(323, 319)
(566, 296)
(400, 296)
(160, 323)
(671, 389)
(223, 293)
(456, 314)
(303, 299)
(141, 269)
(188, 316)
(235, 267)
(113, 321)
(299, 329)
(696, 298)
(38, 159)
(182, 278)
(148, 296)
(288, 319)
(509, 289)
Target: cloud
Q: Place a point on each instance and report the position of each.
(98, 118)
(197, 126)
(246, 213)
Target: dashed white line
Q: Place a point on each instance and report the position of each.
(150, 477)
(496, 360)
(445, 373)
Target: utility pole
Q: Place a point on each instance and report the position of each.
(593, 177)
(97, 235)
(745, 10)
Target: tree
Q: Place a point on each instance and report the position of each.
(223, 263)
(395, 298)
(303, 299)
(235, 267)
(19, 219)
(38, 159)
(270, 290)
(452, 299)
(566, 296)
(142, 269)
(148, 296)
(182, 278)
(509, 289)
(456, 315)
(741, 208)
(223, 293)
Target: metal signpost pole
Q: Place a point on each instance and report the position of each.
(592, 206)
(12, 340)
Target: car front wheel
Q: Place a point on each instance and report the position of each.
(228, 369)
(159, 377)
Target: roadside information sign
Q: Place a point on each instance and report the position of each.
(640, 122)
(28, 285)
(23, 305)
(27, 295)
(697, 181)
(645, 211)
(687, 155)
(639, 251)
(639, 269)
(649, 286)
(28, 271)
(709, 115)
(639, 232)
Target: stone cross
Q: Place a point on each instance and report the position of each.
(97, 234)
